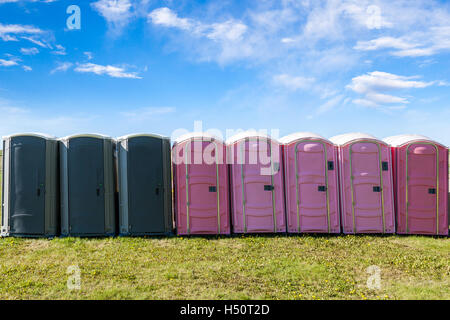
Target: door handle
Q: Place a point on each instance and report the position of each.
(213, 189)
(376, 189)
(268, 187)
(432, 191)
(38, 192)
(321, 188)
(98, 192)
(330, 165)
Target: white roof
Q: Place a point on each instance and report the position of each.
(203, 135)
(402, 139)
(134, 135)
(31, 134)
(86, 135)
(300, 136)
(248, 134)
(345, 138)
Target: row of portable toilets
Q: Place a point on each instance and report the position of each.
(93, 185)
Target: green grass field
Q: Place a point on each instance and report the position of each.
(250, 267)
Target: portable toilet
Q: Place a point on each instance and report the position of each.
(421, 184)
(145, 186)
(366, 185)
(201, 192)
(256, 180)
(311, 183)
(30, 186)
(87, 185)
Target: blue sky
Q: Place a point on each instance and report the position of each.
(330, 67)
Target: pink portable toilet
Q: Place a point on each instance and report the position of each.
(256, 180)
(421, 184)
(201, 190)
(311, 183)
(366, 186)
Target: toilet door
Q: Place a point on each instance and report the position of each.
(422, 192)
(367, 195)
(27, 185)
(312, 186)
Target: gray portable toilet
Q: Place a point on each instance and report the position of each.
(145, 189)
(30, 186)
(87, 185)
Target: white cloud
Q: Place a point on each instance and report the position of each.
(8, 63)
(412, 29)
(167, 18)
(227, 37)
(374, 85)
(116, 12)
(29, 51)
(293, 82)
(27, 68)
(229, 30)
(112, 71)
(62, 67)
(287, 40)
(385, 81)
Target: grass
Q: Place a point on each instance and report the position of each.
(250, 267)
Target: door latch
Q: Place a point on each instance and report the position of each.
(322, 188)
(212, 189)
(432, 191)
(377, 189)
(268, 187)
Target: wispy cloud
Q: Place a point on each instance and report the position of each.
(8, 32)
(88, 55)
(330, 104)
(62, 67)
(29, 51)
(112, 71)
(60, 50)
(293, 82)
(416, 44)
(36, 41)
